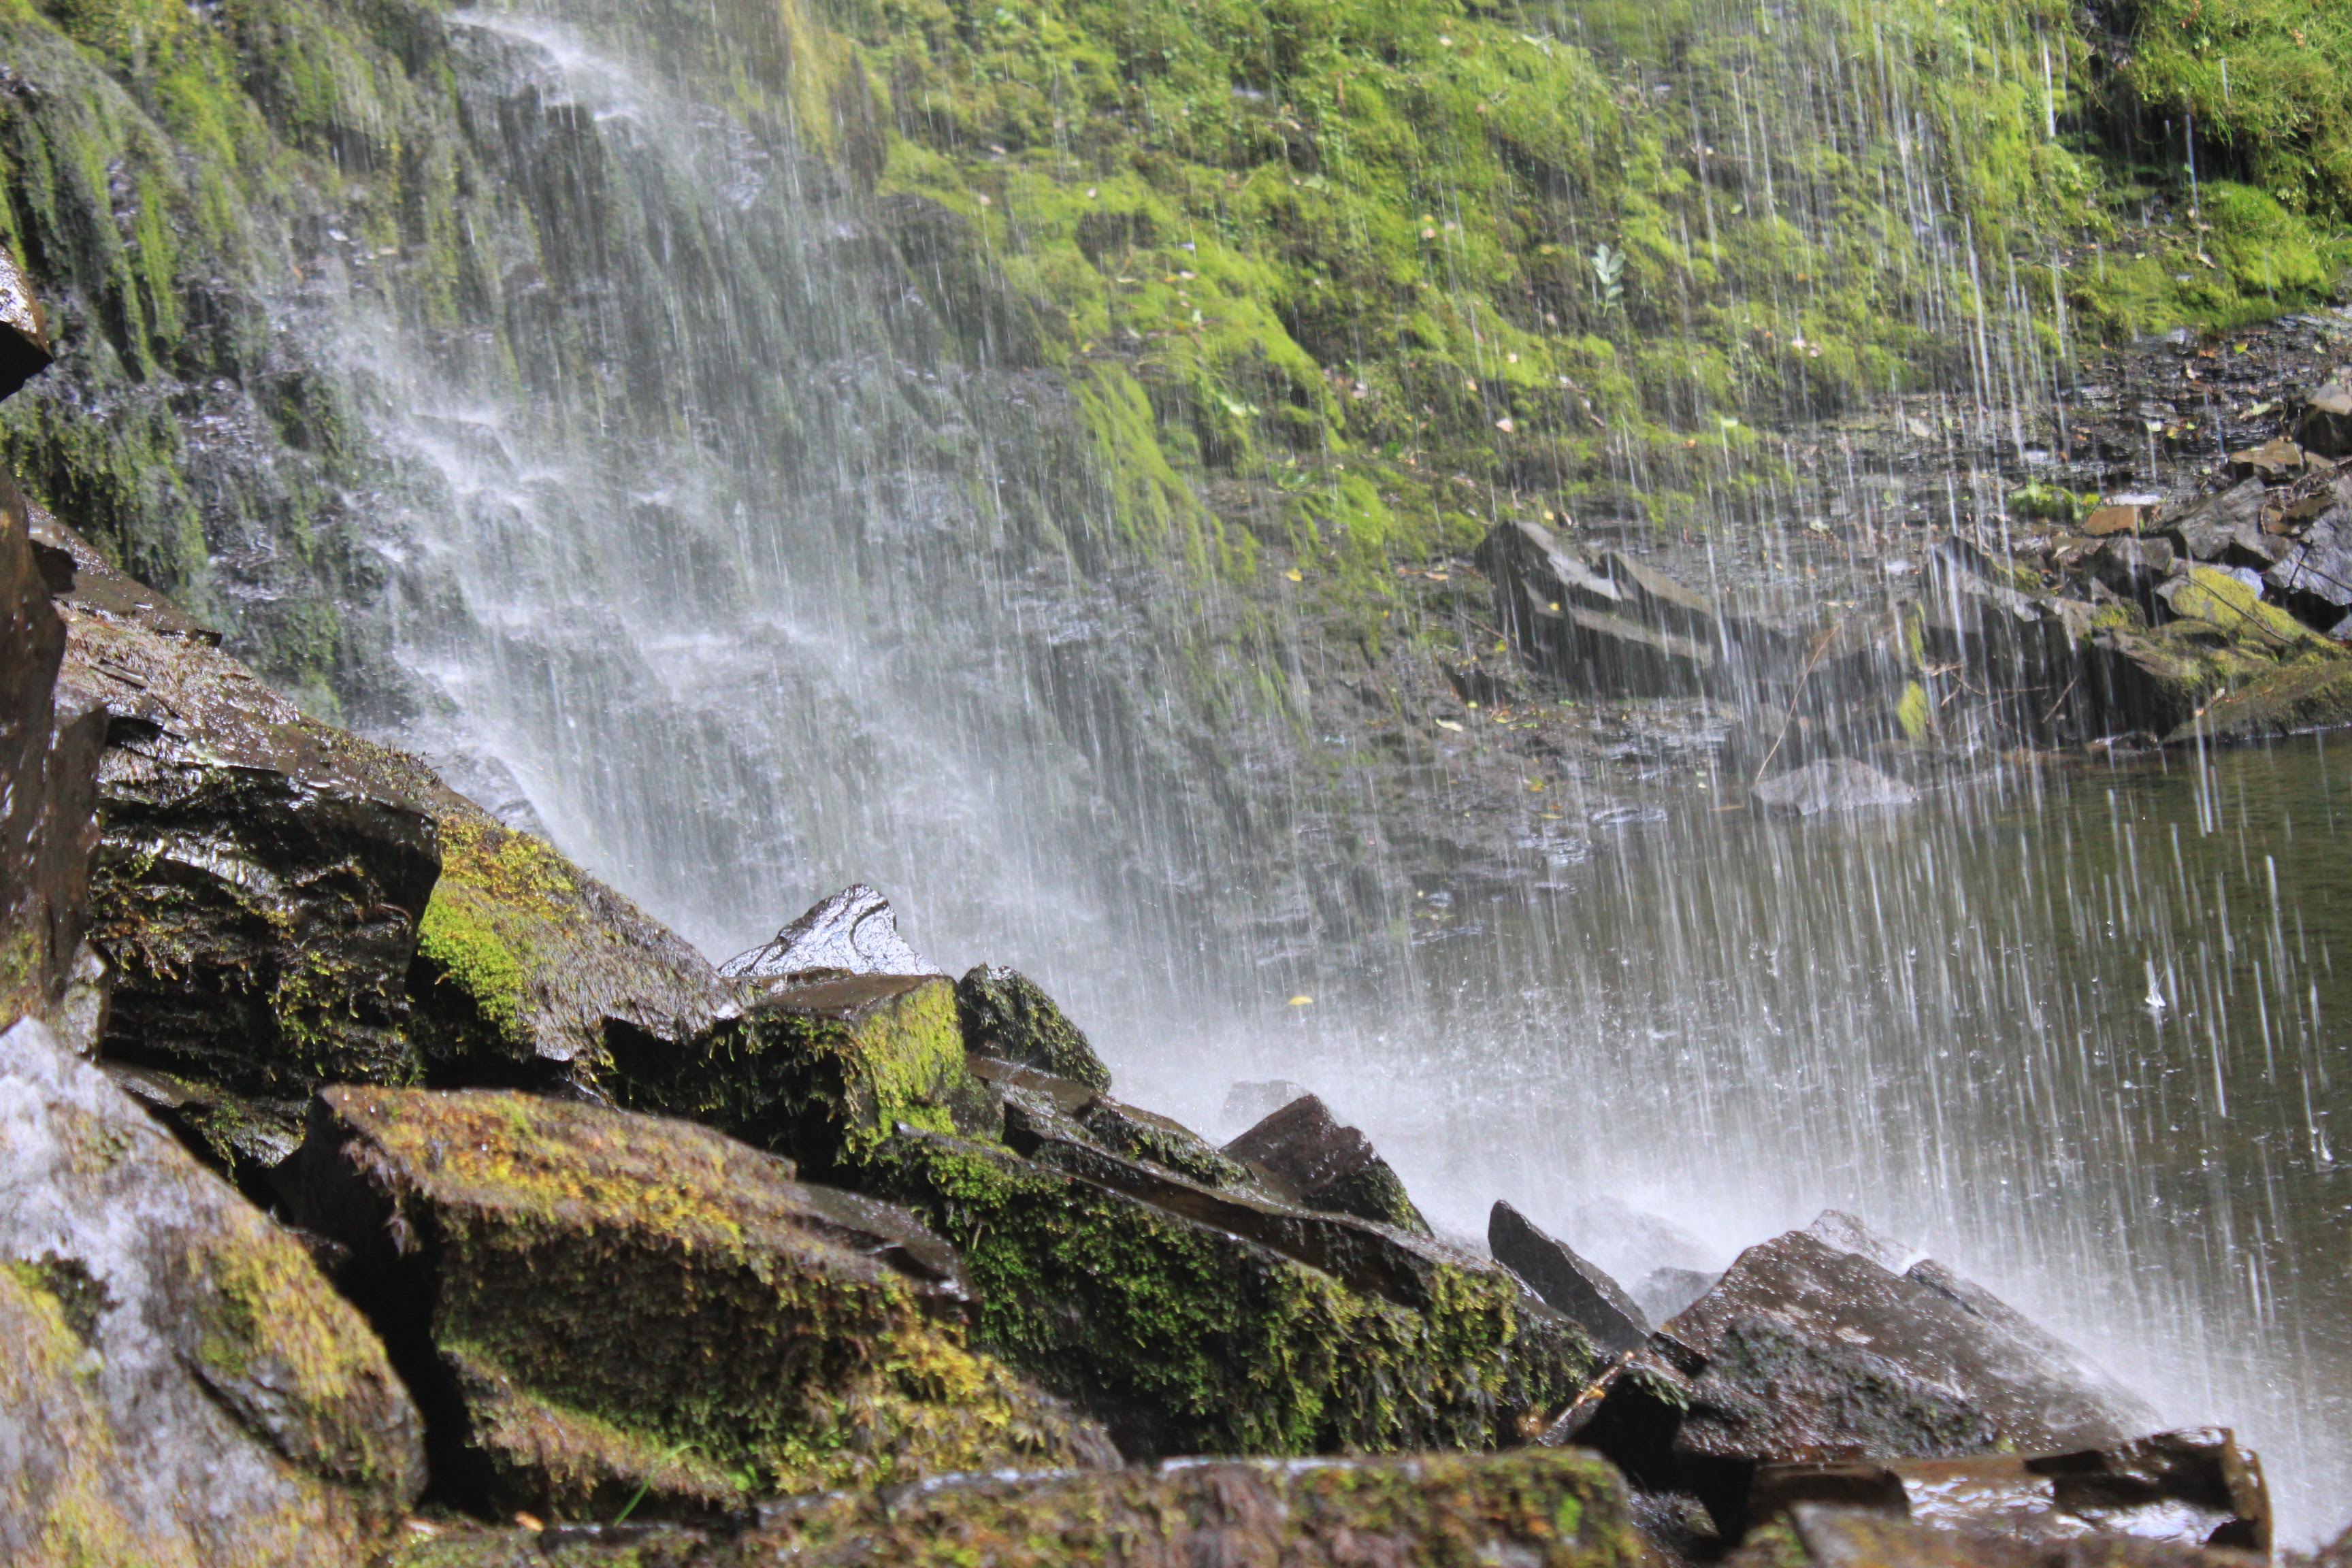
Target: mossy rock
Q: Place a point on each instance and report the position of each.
(601, 1307)
(2315, 694)
(1185, 1337)
(822, 1071)
(179, 1387)
(526, 967)
(1008, 1016)
(1535, 1508)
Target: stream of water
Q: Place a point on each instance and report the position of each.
(723, 562)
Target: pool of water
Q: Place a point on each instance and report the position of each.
(2081, 1034)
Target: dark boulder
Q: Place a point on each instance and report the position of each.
(1805, 1351)
(2132, 567)
(2196, 1488)
(48, 764)
(1008, 1016)
(2325, 426)
(2316, 573)
(855, 932)
(1614, 627)
(1304, 1152)
(598, 1307)
(1831, 785)
(1566, 1283)
(1824, 1535)
(2227, 527)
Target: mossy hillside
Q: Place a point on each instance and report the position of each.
(823, 1072)
(620, 1301)
(1185, 1338)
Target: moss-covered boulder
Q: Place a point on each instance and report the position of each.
(1007, 1016)
(598, 1307)
(530, 970)
(178, 1385)
(1305, 1152)
(821, 1071)
(2314, 694)
(1184, 1335)
(1531, 1510)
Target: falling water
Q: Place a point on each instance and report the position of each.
(739, 562)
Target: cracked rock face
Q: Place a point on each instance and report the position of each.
(178, 1385)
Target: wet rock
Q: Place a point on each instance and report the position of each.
(1832, 785)
(1820, 1535)
(2291, 700)
(1627, 1241)
(48, 767)
(592, 1303)
(1184, 1335)
(25, 347)
(2113, 519)
(1532, 1509)
(2226, 527)
(1619, 628)
(2234, 608)
(1566, 1283)
(248, 1139)
(178, 1386)
(2132, 567)
(530, 972)
(1664, 1292)
(1304, 1152)
(821, 1071)
(259, 875)
(2316, 572)
(1804, 1351)
(853, 932)
(2325, 426)
(2275, 462)
(2195, 1487)
(1008, 1016)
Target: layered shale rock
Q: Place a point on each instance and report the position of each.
(1529, 1509)
(599, 1306)
(1305, 1153)
(178, 1385)
(1568, 1283)
(1804, 1350)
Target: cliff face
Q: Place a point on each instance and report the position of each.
(1340, 281)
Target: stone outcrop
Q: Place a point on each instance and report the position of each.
(2196, 1488)
(1567, 1284)
(1008, 1016)
(855, 932)
(1303, 1153)
(178, 1384)
(2325, 426)
(598, 1307)
(1804, 1350)
(1527, 1510)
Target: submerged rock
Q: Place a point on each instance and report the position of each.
(1804, 1350)
(178, 1385)
(1532, 1509)
(821, 1071)
(597, 1304)
(853, 932)
(1832, 785)
(1305, 1153)
(1566, 1283)
(2196, 1488)
(1008, 1016)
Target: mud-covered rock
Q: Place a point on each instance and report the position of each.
(1184, 1336)
(594, 1303)
(1830, 785)
(1304, 1152)
(178, 1385)
(48, 763)
(855, 932)
(2193, 1488)
(1533, 1509)
(1567, 1282)
(1008, 1016)
(821, 1071)
(1804, 1350)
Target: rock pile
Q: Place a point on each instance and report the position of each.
(386, 1161)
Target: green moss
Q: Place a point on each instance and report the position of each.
(1188, 1340)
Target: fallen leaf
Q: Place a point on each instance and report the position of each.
(1302, 1002)
(1296, 575)
(1449, 725)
